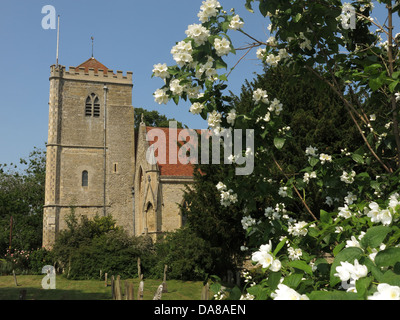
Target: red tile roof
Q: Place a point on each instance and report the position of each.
(94, 64)
(167, 169)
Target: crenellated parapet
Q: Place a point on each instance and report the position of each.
(90, 74)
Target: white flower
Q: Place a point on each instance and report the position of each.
(206, 69)
(220, 186)
(196, 108)
(247, 222)
(311, 151)
(347, 271)
(394, 201)
(344, 212)
(182, 53)
(374, 212)
(208, 9)
(282, 191)
(386, 292)
(375, 251)
(306, 44)
(324, 157)
(261, 53)
(397, 95)
(273, 60)
(353, 243)
(294, 254)
(307, 176)
(283, 54)
(228, 197)
(193, 92)
(285, 293)
(260, 95)
(160, 96)
(276, 106)
(175, 87)
(236, 23)
(350, 198)
(359, 271)
(372, 117)
(231, 117)
(385, 217)
(344, 271)
(248, 296)
(263, 257)
(161, 71)
(379, 215)
(348, 177)
(298, 229)
(271, 41)
(276, 265)
(222, 46)
(198, 33)
(214, 119)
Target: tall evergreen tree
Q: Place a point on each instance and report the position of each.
(315, 117)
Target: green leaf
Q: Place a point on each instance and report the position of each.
(301, 265)
(332, 295)
(274, 279)
(293, 280)
(362, 286)
(357, 158)
(391, 278)
(279, 246)
(388, 257)
(325, 217)
(375, 236)
(375, 83)
(313, 161)
(258, 291)
(297, 17)
(392, 86)
(279, 142)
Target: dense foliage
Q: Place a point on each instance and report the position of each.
(350, 250)
(22, 198)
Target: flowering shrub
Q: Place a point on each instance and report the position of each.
(18, 259)
(350, 251)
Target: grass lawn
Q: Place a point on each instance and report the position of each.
(92, 289)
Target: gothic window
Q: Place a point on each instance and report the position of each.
(92, 106)
(85, 179)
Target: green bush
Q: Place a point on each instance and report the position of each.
(90, 246)
(38, 259)
(188, 257)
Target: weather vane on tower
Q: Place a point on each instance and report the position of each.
(92, 45)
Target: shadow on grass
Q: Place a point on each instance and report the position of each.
(50, 294)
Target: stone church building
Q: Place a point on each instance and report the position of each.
(96, 164)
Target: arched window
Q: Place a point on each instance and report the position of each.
(85, 179)
(92, 106)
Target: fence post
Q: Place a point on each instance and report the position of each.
(205, 292)
(164, 284)
(117, 287)
(15, 278)
(105, 280)
(141, 288)
(128, 290)
(158, 293)
(112, 287)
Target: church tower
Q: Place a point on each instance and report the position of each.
(91, 147)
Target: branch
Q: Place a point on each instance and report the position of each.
(349, 108)
(295, 189)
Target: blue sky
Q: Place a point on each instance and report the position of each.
(129, 35)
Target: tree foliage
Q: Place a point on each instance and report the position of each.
(22, 198)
